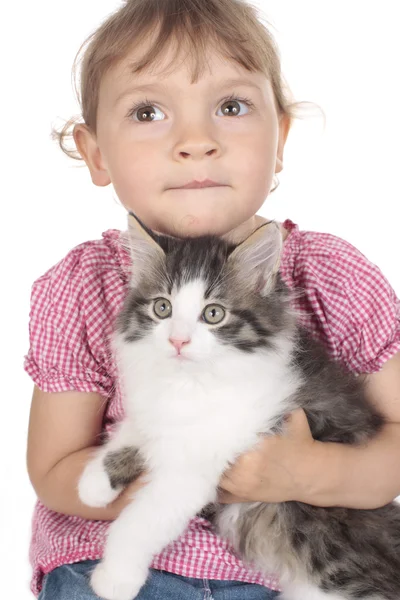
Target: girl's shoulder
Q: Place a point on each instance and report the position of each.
(91, 261)
(315, 251)
(342, 297)
(327, 261)
(89, 282)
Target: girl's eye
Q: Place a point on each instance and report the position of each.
(146, 110)
(162, 308)
(231, 105)
(213, 314)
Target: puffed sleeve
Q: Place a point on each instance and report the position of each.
(373, 332)
(345, 301)
(68, 322)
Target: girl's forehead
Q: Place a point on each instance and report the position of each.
(171, 74)
(176, 54)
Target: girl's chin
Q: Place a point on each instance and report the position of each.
(192, 225)
(195, 226)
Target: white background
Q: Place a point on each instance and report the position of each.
(344, 179)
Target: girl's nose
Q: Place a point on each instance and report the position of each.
(178, 344)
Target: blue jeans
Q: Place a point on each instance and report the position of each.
(71, 582)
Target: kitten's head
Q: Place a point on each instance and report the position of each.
(196, 298)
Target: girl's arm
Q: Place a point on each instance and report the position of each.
(63, 430)
(297, 467)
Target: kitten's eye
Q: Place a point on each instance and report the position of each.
(162, 308)
(213, 314)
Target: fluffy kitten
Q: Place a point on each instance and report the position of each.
(211, 358)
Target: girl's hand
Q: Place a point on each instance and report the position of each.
(274, 470)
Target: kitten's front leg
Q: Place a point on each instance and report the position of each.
(159, 514)
(114, 465)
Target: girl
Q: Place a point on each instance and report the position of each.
(153, 122)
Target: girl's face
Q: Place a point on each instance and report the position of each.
(189, 132)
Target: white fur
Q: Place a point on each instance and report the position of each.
(94, 488)
(190, 417)
(307, 591)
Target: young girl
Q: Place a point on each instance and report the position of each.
(154, 122)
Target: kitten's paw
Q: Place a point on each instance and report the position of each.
(94, 487)
(113, 586)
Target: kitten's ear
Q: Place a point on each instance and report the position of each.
(257, 258)
(145, 251)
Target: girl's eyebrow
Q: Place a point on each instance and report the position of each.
(163, 87)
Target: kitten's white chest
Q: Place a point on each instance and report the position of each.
(199, 416)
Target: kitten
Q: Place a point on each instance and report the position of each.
(211, 357)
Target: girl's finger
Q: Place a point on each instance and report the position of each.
(228, 498)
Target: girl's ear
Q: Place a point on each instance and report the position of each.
(257, 258)
(86, 144)
(284, 127)
(145, 251)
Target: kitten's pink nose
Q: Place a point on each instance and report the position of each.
(178, 344)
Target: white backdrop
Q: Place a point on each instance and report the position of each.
(343, 179)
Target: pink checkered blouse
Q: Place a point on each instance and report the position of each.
(347, 304)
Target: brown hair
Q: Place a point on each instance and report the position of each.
(233, 27)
